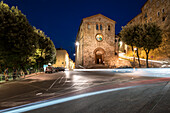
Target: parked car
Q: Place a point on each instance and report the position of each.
(60, 69)
(49, 69)
(56, 69)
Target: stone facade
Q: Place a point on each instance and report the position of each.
(96, 42)
(63, 60)
(157, 11)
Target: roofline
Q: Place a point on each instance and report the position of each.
(134, 18)
(97, 15)
(79, 29)
(144, 4)
(89, 18)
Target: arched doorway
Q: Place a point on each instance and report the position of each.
(99, 55)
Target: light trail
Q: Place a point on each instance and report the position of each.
(41, 104)
(156, 61)
(148, 72)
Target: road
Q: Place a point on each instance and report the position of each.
(88, 92)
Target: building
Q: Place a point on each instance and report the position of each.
(96, 43)
(71, 64)
(157, 11)
(63, 60)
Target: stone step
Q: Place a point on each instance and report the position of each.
(99, 66)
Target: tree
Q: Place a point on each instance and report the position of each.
(129, 34)
(46, 52)
(50, 52)
(18, 40)
(150, 38)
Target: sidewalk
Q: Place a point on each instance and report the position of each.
(21, 77)
(157, 63)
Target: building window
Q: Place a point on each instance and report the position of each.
(158, 14)
(163, 18)
(109, 27)
(115, 40)
(163, 10)
(150, 19)
(115, 53)
(88, 26)
(62, 62)
(99, 37)
(145, 15)
(97, 27)
(100, 27)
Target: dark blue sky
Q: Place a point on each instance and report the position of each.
(60, 19)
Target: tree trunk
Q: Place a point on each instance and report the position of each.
(147, 54)
(133, 56)
(138, 58)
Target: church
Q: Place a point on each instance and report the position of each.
(96, 44)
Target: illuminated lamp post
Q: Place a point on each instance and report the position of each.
(134, 57)
(77, 43)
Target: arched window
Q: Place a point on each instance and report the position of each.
(163, 18)
(163, 10)
(97, 27)
(88, 26)
(109, 27)
(158, 14)
(100, 27)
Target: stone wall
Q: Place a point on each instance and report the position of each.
(88, 42)
(157, 11)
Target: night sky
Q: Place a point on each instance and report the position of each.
(60, 19)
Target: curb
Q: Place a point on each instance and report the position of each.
(17, 79)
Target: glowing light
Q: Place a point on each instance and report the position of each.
(149, 72)
(67, 74)
(121, 43)
(77, 43)
(123, 56)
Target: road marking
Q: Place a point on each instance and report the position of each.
(65, 81)
(39, 94)
(53, 83)
(61, 79)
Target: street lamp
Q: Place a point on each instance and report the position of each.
(74, 54)
(77, 43)
(121, 43)
(134, 57)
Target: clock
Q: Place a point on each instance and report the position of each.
(99, 37)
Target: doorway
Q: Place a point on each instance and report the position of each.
(99, 56)
(99, 59)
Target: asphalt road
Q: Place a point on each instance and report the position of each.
(143, 95)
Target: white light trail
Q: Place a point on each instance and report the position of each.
(38, 105)
(149, 72)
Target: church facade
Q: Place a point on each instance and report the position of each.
(96, 43)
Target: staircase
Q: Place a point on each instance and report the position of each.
(98, 66)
